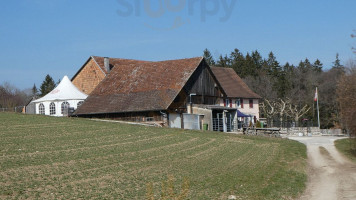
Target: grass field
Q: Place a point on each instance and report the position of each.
(65, 158)
(344, 147)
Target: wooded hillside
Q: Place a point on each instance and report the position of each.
(288, 91)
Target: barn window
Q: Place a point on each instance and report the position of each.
(79, 103)
(41, 109)
(52, 109)
(251, 103)
(227, 102)
(64, 105)
(238, 103)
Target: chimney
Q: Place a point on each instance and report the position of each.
(107, 64)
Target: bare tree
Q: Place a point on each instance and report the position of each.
(269, 109)
(329, 110)
(281, 106)
(11, 97)
(297, 113)
(354, 36)
(346, 91)
(262, 85)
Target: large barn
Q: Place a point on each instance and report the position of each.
(152, 91)
(184, 93)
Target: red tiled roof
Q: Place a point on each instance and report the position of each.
(140, 86)
(232, 84)
(114, 62)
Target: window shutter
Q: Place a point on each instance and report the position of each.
(242, 103)
(224, 102)
(230, 103)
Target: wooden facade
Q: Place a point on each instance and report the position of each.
(89, 76)
(203, 84)
(149, 116)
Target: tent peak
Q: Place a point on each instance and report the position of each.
(65, 90)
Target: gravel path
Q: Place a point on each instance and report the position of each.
(331, 175)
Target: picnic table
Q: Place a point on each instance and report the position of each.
(273, 132)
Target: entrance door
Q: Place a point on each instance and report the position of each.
(218, 123)
(228, 122)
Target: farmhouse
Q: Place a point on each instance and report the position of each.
(238, 95)
(183, 93)
(238, 106)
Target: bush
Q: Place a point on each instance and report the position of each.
(258, 124)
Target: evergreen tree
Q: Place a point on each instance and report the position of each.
(271, 65)
(238, 63)
(283, 83)
(47, 85)
(337, 63)
(318, 66)
(249, 67)
(305, 66)
(257, 59)
(34, 90)
(288, 68)
(209, 58)
(224, 61)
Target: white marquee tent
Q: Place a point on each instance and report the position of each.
(64, 96)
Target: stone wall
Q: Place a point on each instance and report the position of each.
(331, 131)
(304, 130)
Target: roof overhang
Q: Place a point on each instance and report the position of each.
(110, 113)
(214, 107)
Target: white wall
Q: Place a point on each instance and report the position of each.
(255, 111)
(72, 103)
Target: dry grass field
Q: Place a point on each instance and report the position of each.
(67, 158)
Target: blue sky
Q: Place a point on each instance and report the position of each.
(56, 37)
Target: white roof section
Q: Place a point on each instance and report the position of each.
(64, 91)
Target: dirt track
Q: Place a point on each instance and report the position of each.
(331, 175)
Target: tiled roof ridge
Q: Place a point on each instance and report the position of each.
(94, 56)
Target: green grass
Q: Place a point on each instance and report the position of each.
(64, 158)
(347, 147)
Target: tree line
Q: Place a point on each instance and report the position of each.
(346, 98)
(12, 97)
(287, 90)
